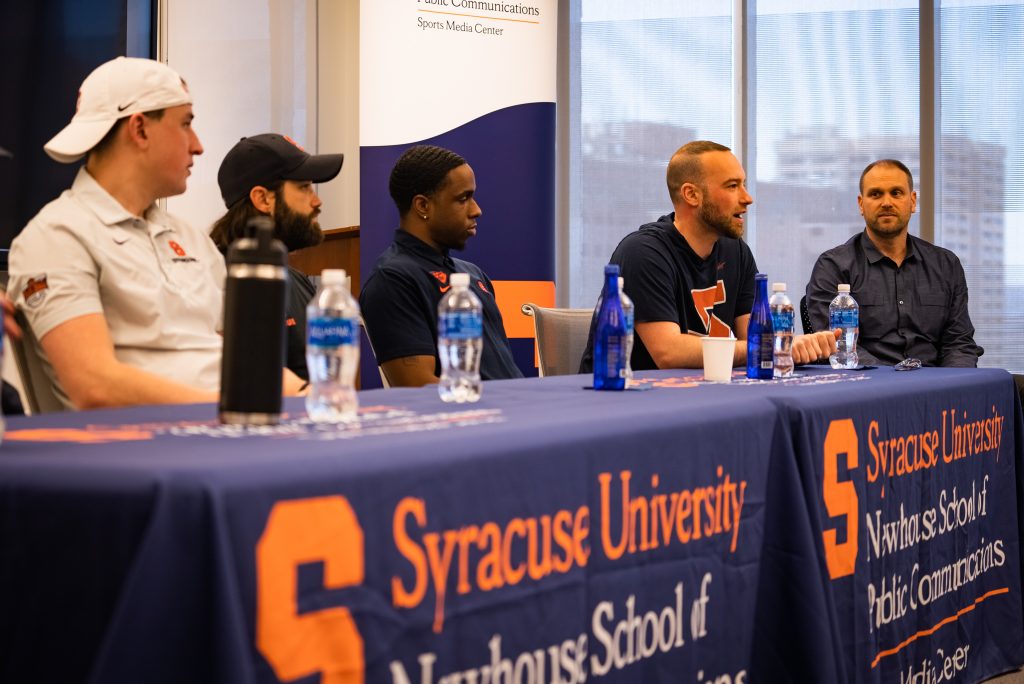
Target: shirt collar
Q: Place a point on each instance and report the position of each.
(101, 203)
(423, 250)
(874, 256)
(684, 245)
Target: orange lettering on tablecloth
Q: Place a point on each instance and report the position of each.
(482, 557)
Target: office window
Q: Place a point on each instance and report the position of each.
(832, 87)
(651, 77)
(835, 90)
(981, 165)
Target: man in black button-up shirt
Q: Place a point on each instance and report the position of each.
(912, 294)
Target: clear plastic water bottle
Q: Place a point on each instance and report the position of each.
(610, 336)
(760, 334)
(783, 323)
(332, 351)
(844, 315)
(627, 316)
(460, 341)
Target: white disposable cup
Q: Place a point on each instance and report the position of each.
(718, 354)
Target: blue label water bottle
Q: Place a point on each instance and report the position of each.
(460, 330)
(332, 350)
(844, 315)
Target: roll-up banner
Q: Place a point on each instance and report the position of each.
(476, 77)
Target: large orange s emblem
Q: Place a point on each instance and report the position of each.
(704, 301)
(327, 641)
(840, 498)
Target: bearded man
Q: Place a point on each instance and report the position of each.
(912, 294)
(270, 175)
(689, 274)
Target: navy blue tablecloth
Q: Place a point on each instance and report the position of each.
(545, 533)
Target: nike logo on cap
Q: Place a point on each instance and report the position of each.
(121, 108)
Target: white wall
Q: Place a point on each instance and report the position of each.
(253, 67)
(338, 107)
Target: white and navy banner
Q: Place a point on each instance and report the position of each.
(477, 77)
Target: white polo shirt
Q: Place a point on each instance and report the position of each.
(157, 281)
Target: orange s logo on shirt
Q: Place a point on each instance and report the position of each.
(176, 248)
(704, 301)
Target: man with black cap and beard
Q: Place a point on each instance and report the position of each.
(270, 175)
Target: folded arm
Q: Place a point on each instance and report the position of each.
(410, 371)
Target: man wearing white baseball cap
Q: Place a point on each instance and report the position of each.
(124, 299)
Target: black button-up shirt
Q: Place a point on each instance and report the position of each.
(915, 310)
(399, 305)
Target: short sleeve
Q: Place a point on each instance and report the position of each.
(745, 290)
(399, 321)
(54, 277)
(649, 281)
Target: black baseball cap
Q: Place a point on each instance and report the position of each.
(267, 158)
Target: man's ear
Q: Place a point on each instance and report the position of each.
(690, 194)
(262, 199)
(136, 129)
(421, 206)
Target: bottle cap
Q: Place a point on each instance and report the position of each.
(611, 269)
(844, 287)
(333, 276)
(778, 287)
(460, 280)
(258, 245)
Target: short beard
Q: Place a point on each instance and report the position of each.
(895, 231)
(295, 230)
(718, 222)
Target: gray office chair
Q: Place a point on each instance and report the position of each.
(561, 337)
(40, 391)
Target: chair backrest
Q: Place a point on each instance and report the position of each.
(36, 383)
(366, 335)
(561, 337)
(805, 319)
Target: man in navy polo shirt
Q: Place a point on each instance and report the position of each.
(433, 189)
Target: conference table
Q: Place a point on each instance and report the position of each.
(838, 526)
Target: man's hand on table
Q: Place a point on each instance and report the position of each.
(815, 346)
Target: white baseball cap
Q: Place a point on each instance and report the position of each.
(114, 90)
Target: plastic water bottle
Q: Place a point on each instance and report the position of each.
(460, 341)
(610, 336)
(844, 315)
(627, 315)
(760, 334)
(783, 323)
(332, 351)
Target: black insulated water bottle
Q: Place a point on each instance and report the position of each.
(254, 329)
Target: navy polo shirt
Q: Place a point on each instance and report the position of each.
(399, 305)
